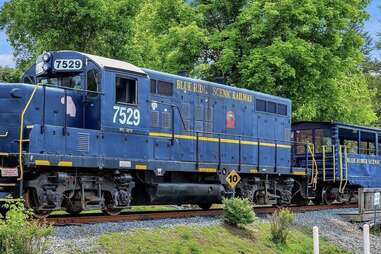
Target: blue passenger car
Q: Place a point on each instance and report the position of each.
(347, 157)
(86, 132)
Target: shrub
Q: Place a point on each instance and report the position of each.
(280, 225)
(238, 211)
(18, 235)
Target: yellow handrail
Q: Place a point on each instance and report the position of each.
(346, 169)
(323, 150)
(341, 167)
(314, 168)
(22, 132)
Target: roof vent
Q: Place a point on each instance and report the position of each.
(183, 73)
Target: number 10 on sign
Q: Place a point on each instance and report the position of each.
(233, 178)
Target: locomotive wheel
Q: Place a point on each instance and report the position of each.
(73, 207)
(330, 195)
(109, 207)
(205, 206)
(112, 211)
(30, 203)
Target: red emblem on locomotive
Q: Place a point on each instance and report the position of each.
(230, 120)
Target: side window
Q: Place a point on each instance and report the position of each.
(368, 143)
(260, 105)
(93, 81)
(302, 137)
(271, 107)
(282, 109)
(126, 91)
(323, 138)
(162, 88)
(349, 138)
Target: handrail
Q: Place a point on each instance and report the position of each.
(341, 168)
(334, 162)
(323, 150)
(314, 168)
(22, 131)
(346, 169)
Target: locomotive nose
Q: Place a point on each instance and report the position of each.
(12, 99)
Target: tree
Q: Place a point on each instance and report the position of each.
(9, 75)
(308, 51)
(93, 26)
(169, 38)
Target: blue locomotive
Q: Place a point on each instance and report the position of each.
(87, 132)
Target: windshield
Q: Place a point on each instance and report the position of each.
(66, 81)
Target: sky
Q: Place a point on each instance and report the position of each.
(372, 25)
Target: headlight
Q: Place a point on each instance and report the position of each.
(45, 67)
(46, 57)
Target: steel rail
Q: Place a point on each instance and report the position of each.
(172, 214)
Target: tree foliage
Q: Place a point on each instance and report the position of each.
(9, 75)
(309, 51)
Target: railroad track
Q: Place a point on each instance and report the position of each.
(173, 214)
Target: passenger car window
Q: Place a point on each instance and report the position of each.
(302, 137)
(323, 138)
(126, 91)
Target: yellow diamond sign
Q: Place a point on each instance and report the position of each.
(233, 178)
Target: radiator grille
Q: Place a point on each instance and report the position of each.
(83, 142)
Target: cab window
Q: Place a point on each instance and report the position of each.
(93, 81)
(126, 90)
(63, 81)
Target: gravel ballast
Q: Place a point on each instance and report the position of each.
(331, 226)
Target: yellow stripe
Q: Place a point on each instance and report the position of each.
(185, 137)
(253, 171)
(283, 146)
(207, 170)
(65, 164)
(230, 141)
(246, 142)
(7, 184)
(42, 163)
(160, 134)
(141, 166)
(211, 139)
(299, 173)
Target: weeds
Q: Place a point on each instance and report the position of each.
(280, 225)
(18, 235)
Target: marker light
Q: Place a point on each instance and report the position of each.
(45, 67)
(46, 57)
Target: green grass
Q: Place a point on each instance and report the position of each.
(211, 239)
